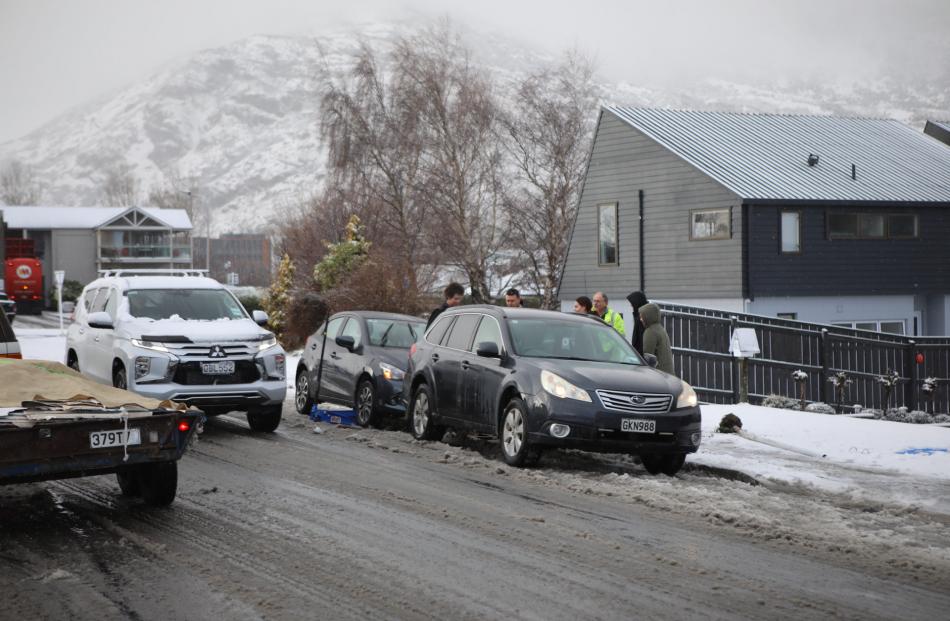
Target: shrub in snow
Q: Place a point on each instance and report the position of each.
(820, 408)
(942, 418)
(779, 401)
(878, 414)
(929, 387)
(857, 408)
(840, 381)
(889, 382)
(897, 415)
(918, 418)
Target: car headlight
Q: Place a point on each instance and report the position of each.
(150, 345)
(390, 372)
(267, 343)
(687, 398)
(560, 387)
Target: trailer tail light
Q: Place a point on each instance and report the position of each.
(184, 426)
(15, 354)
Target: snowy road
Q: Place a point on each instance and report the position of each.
(372, 524)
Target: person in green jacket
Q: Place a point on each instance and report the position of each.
(610, 316)
(655, 339)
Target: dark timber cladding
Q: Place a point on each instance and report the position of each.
(848, 266)
(623, 162)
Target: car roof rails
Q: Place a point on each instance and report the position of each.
(120, 272)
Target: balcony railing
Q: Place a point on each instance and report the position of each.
(140, 251)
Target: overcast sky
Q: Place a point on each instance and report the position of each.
(60, 53)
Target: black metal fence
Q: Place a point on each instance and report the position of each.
(700, 338)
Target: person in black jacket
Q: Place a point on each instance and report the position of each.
(637, 300)
(454, 293)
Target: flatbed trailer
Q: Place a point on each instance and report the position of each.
(142, 447)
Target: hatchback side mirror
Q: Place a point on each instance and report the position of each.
(260, 317)
(346, 341)
(488, 349)
(100, 320)
(651, 360)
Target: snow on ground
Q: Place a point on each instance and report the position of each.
(865, 460)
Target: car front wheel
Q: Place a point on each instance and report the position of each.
(302, 400)
(265, 419)
(420, 416)
(119, 378)
(365, 403)
(514, 433)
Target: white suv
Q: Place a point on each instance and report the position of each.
(180, 337)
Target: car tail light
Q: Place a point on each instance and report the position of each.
(184, 426)
(15, 354)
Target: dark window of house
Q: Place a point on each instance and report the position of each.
(607, 234)
(872, 226)
(902, 226)
(710, 224)
(792, 316)
(842, 225)
(791, 231)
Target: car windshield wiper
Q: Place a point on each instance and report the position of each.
(382, 341)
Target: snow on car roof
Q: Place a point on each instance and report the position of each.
(160, 282)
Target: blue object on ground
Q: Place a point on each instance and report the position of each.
(923, 451)
(334, 417)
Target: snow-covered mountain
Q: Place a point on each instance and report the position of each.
(242, 120)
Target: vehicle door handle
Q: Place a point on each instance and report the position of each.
(465, 365)
(435, 357)
(96, 339)
(314, 346)
(334, 355)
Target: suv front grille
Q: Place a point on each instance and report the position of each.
(635, 402)
(189, 374)
(204, 351)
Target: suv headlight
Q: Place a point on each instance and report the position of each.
(267, 343)
(150, 345)
(687, 398)
(560, 387)
(390, 372)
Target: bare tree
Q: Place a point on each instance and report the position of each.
(120, 187)
(549, 132)
(18, 185)
(462, 159)
(180, 192)
(371, 125)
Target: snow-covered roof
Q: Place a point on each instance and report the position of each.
(40, 218)
(766, 156)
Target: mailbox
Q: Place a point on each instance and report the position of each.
(744, 343)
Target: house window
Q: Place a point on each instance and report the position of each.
(710, 224)
(607, 240)
(890, 326)
(791, 231)
(872, 226)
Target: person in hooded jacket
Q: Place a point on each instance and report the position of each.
(655, 339)
(637, 300)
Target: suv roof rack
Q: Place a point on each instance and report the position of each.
(151, 272)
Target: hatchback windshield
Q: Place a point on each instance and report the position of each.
(570, 340)
(191, 304)
(394, 333)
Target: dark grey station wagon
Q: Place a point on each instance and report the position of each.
(540, 379)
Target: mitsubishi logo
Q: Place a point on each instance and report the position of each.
(638, 399)
(217, 352)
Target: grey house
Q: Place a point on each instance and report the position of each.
(83, 240)
(831, 220)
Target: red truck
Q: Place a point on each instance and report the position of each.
(24, 284)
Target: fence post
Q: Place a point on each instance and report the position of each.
(736, 370)
(823, 356)
(912, 375)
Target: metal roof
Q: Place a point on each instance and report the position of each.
(42, 218)
(765, 156)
